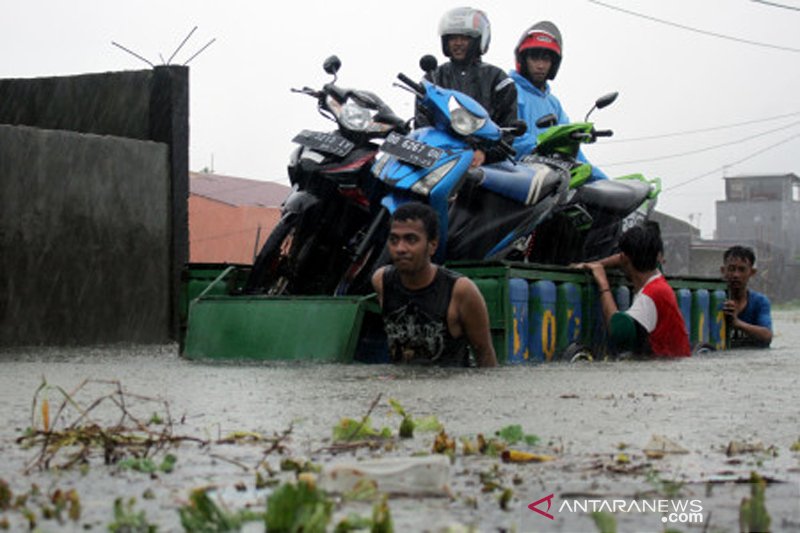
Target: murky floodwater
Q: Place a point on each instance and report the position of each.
(585, 414)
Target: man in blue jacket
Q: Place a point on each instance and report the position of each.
(538, 56)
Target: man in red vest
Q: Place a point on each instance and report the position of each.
(653, 325)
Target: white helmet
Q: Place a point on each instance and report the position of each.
(466, 21)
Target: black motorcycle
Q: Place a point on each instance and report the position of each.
(334, 194)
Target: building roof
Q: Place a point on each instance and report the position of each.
(237, 191)
(790, 175)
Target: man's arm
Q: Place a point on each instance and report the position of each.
(377, 284)
(598, 271)
(474, 320)
(503, 113)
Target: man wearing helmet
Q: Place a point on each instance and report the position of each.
(538, 56)
(465, 34)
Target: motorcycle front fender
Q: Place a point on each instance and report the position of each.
(299, 202)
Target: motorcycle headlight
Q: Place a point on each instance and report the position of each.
(424, 186)
(462, 121)
(354, 117)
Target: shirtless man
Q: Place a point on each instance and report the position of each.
(431, 314)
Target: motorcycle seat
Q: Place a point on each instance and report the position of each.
(521, 183)
(618, 197)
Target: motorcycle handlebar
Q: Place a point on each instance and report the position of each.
(603, 133)
(307, 90)
(417, 87)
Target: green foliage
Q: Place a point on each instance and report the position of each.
(380, 522)
(513, 434)
(298, 508)
(298, 466)
(605, 522)
(349, 429)
(148, 466)
(353, 522)
(406, 428)
(127, 520)
(203, 515)
(753, 515)
(505, 498)
(382, 517)
(409, 424)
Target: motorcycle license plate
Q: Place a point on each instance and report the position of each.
(558, 163)
(411, 151)
(330, 143)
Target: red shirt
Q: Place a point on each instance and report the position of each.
(656, 309)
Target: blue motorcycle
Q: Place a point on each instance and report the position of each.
(431, 164)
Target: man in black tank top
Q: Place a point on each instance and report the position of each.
(431, 314)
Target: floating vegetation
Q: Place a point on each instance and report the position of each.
(753, 515)
(58, 505)
(298, 507)
(78, 431)
(513, 434)
(605, 522)
(128, 520)
(75, 432)
(202, 514)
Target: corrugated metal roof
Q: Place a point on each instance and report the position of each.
(237, 191)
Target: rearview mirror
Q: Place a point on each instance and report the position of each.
(428, 63)
(547, 121)
(332, 65)
(606, 100)
(518, 127)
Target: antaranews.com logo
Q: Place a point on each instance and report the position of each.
(671, 511)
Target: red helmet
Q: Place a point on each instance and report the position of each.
(542, 35)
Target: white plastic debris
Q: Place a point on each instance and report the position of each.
(429, 475)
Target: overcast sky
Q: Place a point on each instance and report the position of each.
(717, 81)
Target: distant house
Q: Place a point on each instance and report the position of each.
(230, 218)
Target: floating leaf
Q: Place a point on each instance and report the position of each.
(397, 408)
(406, 428)
(349, 429)
(126, 518)
(293, 508)
(382, 517)
(505, 498)
(428, 423)
(353, 522)
(605, 522)
(513, 434)
(753, 515)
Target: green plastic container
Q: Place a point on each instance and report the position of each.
(274, 328)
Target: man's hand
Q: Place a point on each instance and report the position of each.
(478, 158)
(729, 308)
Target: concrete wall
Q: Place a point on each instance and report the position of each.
(112, 103)
(84, 238)
(107, 201)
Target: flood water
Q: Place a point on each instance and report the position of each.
(594, 418)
